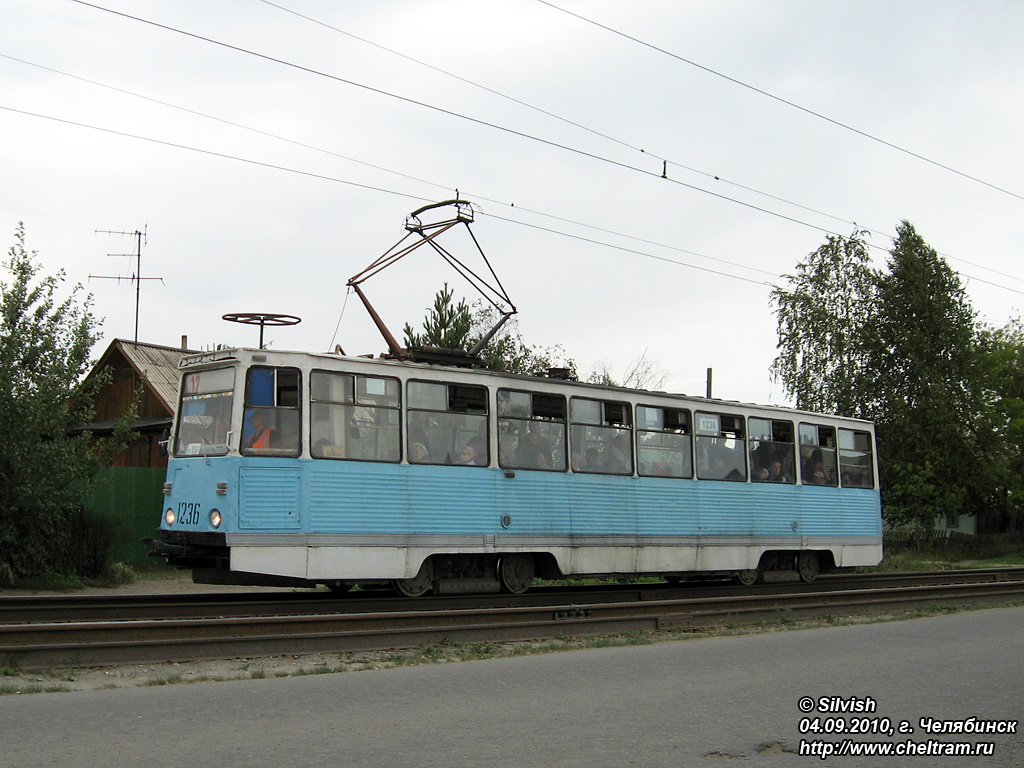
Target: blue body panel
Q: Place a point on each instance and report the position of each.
(347, 497)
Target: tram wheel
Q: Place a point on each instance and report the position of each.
(516, 572)
(807, 566)
(418, 585)
(748, 577)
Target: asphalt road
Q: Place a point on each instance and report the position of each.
(702, 702)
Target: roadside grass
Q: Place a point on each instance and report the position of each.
(959, 558)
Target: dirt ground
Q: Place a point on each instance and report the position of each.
(13, 682)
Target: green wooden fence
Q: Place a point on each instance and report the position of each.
(132, 497)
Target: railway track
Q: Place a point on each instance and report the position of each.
(80, 631)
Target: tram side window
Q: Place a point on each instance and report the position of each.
(663, 442)
(720, 447)
(601, 437)
(270, 425)
(447, 424)
(818, 455)
(531, 430)
(354, 417)
(204, 415)
(772, 454)
(855, 465)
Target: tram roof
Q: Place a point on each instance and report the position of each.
(255, 355)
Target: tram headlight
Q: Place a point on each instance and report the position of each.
(215, 518)
(169, 517)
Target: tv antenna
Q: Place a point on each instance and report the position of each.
(137, 278)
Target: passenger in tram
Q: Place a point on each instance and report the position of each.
(532, 453)
(817, 477)
(466, 457)
(775, 474)
(592, 461)
(619, 459)
(418, 453)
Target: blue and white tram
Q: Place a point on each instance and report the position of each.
(288, 468)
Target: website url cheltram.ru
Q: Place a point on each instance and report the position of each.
(850, 748)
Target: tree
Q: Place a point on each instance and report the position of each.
(644, 373)
(506, 350)
(459, 326)
(446, 325)
(45, 469)
(822, 322)
(928, 404)
(1004, 377)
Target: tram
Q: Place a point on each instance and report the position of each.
(293, 468)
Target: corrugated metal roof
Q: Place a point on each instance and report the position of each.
(157, 365)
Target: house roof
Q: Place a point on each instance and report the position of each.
(156, 365)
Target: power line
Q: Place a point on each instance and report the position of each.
(461, 79)
(781, 100)
(495, 126)
(325, 177)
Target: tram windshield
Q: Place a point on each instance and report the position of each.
(204, 418)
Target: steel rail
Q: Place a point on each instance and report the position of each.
(43, 608)
(76, 644)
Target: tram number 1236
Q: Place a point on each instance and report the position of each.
(188, 513)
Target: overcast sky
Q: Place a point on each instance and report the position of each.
(270, 166)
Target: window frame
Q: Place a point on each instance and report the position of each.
(180, 450)
(606, 422)
(531, 419)
(454, 406)
(355, 402)
(788, 463)
(734, 433)
(638, 430)
(833, 452)
(248, 409)
(868, 472)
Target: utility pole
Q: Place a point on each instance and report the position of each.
(137, 278)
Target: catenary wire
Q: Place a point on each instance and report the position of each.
(477, 121)
(325, 177)
(783, 101)
(474, 196)
(675, 163)
(522, 134)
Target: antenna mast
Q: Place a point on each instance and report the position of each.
(137, 278)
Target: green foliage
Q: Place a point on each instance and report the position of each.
(446, 325)
(902, 347)
(934, 447)
(458, 326)
(45, 466)
(822, 322)
(506, 351)
(1004, 376)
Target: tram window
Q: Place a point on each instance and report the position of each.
(601, 437)
(354, 417)
(270, 425)
(772, 455)
(818, 455)
(531, 430)
(855, 466)
(447, 424)
(663, 442)
(204, 415)
(720, 447)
